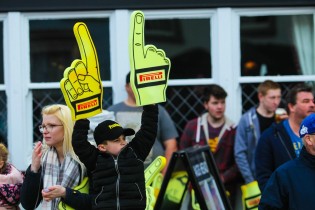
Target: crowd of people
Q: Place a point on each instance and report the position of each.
(257, 148)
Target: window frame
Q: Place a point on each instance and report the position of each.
(225, 60)
(275, 12)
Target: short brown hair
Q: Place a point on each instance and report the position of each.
(215, 91)
(267, 85)
(300, 87)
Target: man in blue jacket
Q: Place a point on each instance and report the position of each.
(281, 142)
(292, 185)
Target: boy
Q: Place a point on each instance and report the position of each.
(117, 166)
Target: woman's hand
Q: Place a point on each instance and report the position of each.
(52, 192)
(36, 157)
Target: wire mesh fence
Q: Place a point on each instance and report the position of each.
(183, 103)
(43, 98)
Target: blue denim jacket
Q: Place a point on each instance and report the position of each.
(247, 136)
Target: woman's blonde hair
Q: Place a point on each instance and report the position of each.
(4, 153)
(63, 113)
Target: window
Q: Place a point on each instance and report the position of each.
(42, 98)
(186, 43)
(3, 117)
(53, 47)
(1, 54)
(3, 99)
(277, 45)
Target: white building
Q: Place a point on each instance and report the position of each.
(236, 45)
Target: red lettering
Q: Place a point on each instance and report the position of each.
(151, 76)
(253, 202)
(87, 105)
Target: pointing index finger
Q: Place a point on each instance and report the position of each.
(137, 27)
(86, 47)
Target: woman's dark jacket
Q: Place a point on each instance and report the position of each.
(31, 195)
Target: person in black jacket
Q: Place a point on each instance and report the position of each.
(281, 142)
(55, 169)
(117, 166)
(291, 186)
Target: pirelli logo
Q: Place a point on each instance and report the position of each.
(86, 105)
(155, 76)
(253, 202)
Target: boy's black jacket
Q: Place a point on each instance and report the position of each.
(118, 181)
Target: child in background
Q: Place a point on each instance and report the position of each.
(11, 180)
(117, 166)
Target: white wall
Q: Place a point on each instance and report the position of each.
(225, 50)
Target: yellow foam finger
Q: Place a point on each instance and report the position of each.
(149, 65)
(84, 96)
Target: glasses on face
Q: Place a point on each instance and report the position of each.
(48, 127)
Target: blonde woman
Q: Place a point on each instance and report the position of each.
(55, 169)
(11, 180)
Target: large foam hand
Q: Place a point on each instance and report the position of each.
(150, 67)
(152, 171)
(81, 84)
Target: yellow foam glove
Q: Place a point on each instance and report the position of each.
(151, 173)
(157, 183)
(194, 203)
(250, 195)
(149, 66)
(150, 198)
(81, 83)
(177, 186)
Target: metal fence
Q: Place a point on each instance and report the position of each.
(43, 98)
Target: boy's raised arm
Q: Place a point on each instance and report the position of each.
(145, 137)
(86, 152)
